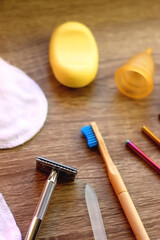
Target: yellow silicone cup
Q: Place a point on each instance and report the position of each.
(135, 78)
(73, 55)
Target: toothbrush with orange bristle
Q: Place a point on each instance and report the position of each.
(94, 139)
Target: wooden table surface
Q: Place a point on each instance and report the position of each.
(121, 29)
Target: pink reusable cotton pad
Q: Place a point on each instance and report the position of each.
(23, 106)
(8, 226)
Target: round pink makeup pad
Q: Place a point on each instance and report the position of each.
(23, 106)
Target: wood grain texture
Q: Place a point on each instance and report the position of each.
(121, 29)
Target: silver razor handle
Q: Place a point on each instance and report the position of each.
(42, 206)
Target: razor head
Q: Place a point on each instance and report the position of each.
(63, 171)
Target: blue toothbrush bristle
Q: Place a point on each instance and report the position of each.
(87, 131)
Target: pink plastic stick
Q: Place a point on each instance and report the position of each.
(142, 155)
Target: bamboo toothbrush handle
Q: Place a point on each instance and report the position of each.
(127, 204)
(120, 189)
(132, 216)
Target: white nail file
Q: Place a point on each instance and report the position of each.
(94, 214)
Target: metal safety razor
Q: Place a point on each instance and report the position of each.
(56, 170)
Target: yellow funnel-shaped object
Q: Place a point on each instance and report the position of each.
(73, 55)
(135, 78)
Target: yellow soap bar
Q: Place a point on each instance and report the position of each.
(73, 55)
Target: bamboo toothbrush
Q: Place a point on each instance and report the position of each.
(94, 139)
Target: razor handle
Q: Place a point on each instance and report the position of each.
(42, 206)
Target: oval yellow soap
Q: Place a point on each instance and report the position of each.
(73, 55)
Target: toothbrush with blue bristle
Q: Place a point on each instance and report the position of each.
(94, 139)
